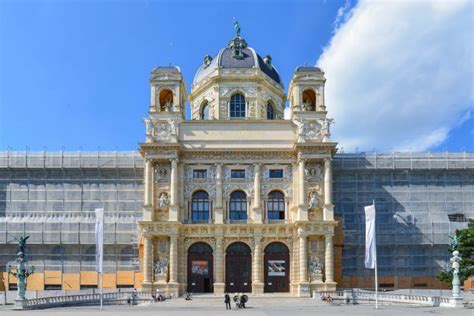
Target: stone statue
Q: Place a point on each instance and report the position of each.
(316, 269)
(237, 27)
(148, 126)
(313, 200)
(308, 105)
(325, 129)
(173, 127)
(161, 266)
(164, 201)
(301, 129)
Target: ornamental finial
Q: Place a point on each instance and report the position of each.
(236, 27)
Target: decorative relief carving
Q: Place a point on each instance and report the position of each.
(313, 130)
(212, 157)
(191, 184)
(162, 172)
(314, 172)
(166, 131)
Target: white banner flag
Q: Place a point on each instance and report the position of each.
(370, 247)
(99, 239)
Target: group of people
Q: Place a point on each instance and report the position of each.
(158, 296)
(239, 300)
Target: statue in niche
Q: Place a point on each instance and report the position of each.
(308, 105)
(161, 267)
(316, 269)
(313, 199)
(163, 201)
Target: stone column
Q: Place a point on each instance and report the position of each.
(173, 259)
(303, 284)
(219, 285)
(303, 259)
(218, 208)
(148, 259)
(148, 183)
(257, 209)
(148, 191)
(328, 214)
(173, 209)
(257, 264)
(302, 207)
(329, 259)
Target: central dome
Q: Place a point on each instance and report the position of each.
(237, 55)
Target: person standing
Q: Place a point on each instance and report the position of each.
(227, 301)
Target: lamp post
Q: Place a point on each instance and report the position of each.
(21, 273)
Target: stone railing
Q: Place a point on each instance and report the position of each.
(86, 299)
(356, 296)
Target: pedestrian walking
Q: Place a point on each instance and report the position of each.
(227, 301)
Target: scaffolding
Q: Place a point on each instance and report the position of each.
(421, 199)
(51, 196)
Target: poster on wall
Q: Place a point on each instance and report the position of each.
(200, 267)
(276, 268)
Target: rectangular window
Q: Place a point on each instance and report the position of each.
(237, 173)
(200, 173)
(276, 173)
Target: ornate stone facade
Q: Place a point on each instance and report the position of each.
(237, 198)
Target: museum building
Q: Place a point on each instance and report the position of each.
(236, 199)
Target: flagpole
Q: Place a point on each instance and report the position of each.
(101, 290)
(376, 279)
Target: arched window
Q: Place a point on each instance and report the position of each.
(238, 205)
(200, 247)
(166, 100)
(270, 111)
(200, 206)
(276, 247)
(309, 100)
(276, 205)
(205, 111)
(237, 105)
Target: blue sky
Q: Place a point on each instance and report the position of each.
(75, 73)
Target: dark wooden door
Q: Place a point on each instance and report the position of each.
(276, 269)
(200, 270)
(238, 269)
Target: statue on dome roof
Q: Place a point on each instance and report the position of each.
(237, 27)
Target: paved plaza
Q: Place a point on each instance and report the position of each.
(276, 306)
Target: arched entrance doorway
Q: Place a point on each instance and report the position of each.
(277, 268)
(200, 268)
(238, 274)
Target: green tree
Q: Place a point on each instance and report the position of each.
(466, 252)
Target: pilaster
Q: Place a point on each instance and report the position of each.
(329, 263)
(219, 285)
(218, 208)
(328, 212)
(257, 265)
(174, 205)
(257, 209)
(147, 263)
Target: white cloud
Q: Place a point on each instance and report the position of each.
(399, 74)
